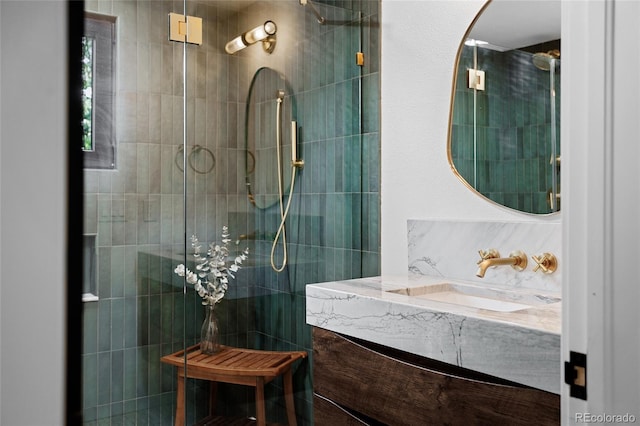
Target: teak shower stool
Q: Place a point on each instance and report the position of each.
(247, 367)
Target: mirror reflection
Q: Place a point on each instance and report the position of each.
(504, 138)
(269, 113)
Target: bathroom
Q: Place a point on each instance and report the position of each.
(411, 183)
(134, 213)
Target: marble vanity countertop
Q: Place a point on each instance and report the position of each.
(522, 346)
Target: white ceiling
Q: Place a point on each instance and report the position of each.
(512, 24)
(505, 24)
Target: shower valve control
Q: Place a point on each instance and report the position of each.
(547, 262)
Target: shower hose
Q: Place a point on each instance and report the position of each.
(283, 211)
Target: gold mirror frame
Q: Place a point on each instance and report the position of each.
(450, 159)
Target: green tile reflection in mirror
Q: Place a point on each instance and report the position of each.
(501, 139)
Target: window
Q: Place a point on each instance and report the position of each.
(98, 91)
(88, 52)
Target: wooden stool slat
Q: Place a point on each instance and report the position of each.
(236, 360)
(220, 357)
(252, 359)
(255, 361)
(268, 361)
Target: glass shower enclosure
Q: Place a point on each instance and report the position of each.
(188, 138)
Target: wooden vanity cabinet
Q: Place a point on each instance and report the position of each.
(359, 383)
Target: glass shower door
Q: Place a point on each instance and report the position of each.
(135, 307)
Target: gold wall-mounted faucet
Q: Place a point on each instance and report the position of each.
(490, 258)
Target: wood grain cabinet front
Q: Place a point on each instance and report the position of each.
(362, 383)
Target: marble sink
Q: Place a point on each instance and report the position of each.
(498, 300)
(505, 331)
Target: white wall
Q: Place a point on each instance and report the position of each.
(420, 40)
(33, 180)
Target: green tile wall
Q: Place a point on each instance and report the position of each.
(513, 129)
(136, 211)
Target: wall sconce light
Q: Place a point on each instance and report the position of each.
(265, 33)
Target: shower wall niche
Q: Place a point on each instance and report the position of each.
(142, 211)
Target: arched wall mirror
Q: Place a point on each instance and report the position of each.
(270, 110)
(504, 126)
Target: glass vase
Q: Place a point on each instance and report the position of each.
(209, 335)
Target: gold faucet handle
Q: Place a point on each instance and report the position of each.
(547, 262)
(488, 254)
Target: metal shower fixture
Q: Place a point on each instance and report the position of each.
(319, 17)
(543, 60)
(266, 33)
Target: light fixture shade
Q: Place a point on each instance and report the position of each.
(260, 33)
(235, 45)
(474, 42)
(264, 32)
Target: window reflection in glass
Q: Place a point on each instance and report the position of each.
(88, 64)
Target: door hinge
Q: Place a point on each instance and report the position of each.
(575, 375)
(185, 28)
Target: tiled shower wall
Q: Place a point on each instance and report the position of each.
(513, 129)
(136, 210)
(333, 226)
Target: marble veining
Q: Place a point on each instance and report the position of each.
(521, 343)
(522, 346)
(449, 249)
